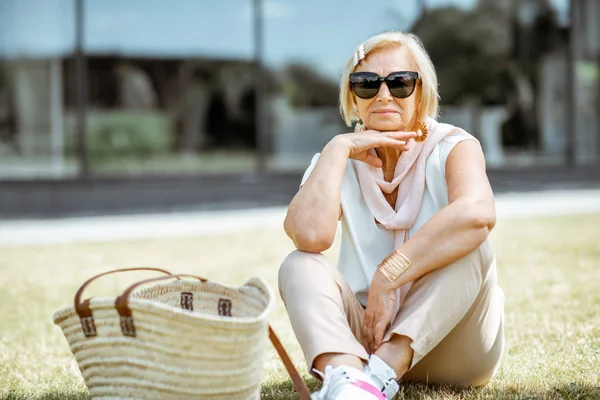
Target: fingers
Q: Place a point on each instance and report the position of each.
(398, 144)
(362, 142)
(367, 332)
(397, 135)
(373, 330)
(369, 328)
(370, 340)
(400, 135)
(364, 341)
(378, 332)
(393, 139)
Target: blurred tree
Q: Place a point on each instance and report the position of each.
(470, 51)
(491, 55)
(474, 50)
(8, 129)
(305, 87)
(535, 30)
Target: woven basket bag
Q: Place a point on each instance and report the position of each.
(182, 339)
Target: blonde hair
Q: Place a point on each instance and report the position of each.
(429, 101)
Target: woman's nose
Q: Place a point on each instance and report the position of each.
(384, 93)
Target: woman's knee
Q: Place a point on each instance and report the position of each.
(290, 264)
(469, 269)
(475, 369)
(297, 266)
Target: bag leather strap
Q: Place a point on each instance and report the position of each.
(299, 384)
(83, 309)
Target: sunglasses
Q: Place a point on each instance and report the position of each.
(401, 84)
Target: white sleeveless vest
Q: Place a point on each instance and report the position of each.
(364, 242)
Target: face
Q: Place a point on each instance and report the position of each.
(385, 112)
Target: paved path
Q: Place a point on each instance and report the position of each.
(111, 228)
(128, 195)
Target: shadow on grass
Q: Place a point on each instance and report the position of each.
(285, 391)
(571, 391)
(53, 395)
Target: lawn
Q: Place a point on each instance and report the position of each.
(549, 269)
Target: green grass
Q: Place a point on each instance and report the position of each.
(549, 269)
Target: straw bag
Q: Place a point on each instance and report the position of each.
(184, 339)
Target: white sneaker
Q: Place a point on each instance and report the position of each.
(346, 383)
(383, 376)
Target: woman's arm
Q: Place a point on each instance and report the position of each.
(312, 216)
(461, 226)
(311, 220)
(450, 234)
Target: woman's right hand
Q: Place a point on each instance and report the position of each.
(359, 144)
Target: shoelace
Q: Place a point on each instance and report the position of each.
(327, 378)
(327, 386)
(380, 378)
(386, 383)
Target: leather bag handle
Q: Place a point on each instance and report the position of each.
(83, 308)
(128, 328)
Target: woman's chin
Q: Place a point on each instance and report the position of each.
(386, 126)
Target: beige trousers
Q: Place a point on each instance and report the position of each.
(453, 315)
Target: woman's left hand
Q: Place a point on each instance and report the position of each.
(378, 314)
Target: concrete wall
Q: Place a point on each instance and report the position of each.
(299, 134)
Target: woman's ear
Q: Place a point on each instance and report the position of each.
(355, 108)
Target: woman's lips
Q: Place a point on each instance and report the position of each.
(385, 112)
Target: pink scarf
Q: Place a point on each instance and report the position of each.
(409, 177)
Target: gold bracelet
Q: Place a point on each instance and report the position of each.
(395, 268)
(394, 265)
(387, 274)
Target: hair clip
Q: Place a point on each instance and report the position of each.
(359, 55)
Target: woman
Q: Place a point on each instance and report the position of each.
(414, 296)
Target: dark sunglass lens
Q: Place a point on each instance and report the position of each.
(401, 85)
(365, 91)
(365, 86)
